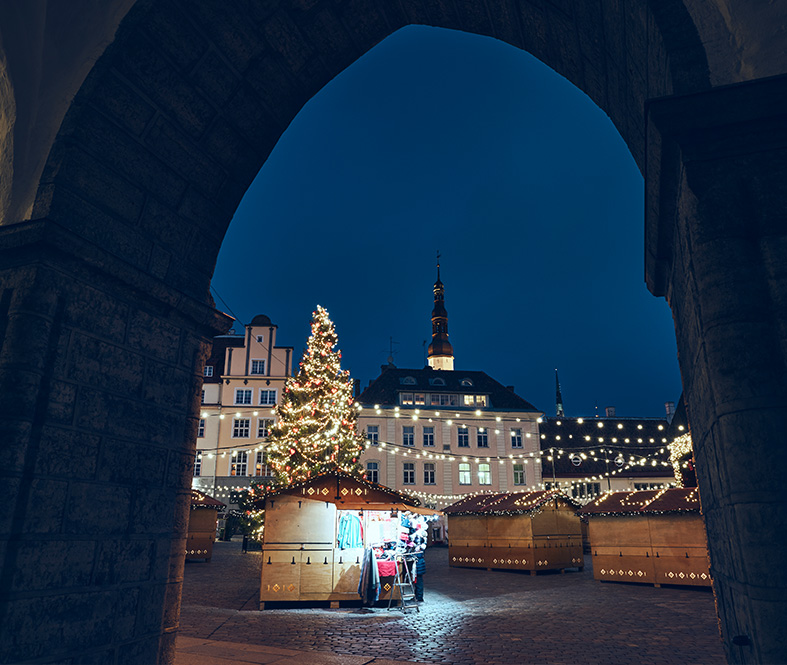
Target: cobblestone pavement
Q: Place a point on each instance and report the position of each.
(470, 617)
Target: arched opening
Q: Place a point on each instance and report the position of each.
(106, 318)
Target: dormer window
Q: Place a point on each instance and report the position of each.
(437, 382)
(407, 381)
(466, 382)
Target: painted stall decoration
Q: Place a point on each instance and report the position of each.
(202, 526)
(533, 531)
(318, 534)
(651, 537)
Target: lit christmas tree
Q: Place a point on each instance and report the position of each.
(316, 430)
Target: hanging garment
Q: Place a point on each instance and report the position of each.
(350, 533)
(369, 584)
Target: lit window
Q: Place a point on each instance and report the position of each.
(241, 428)
(480, 400)
(409, 473)
(201, 429)
(408, 435)
(484, 474)
(428, 436)
(444, 400)
(464, 474)
(267, 397)
(420, 398)
(516, 438)
(429, 473)
(407, 399)
(239, 463)
(261, 467)
(264, 428)
(373, 472)
(519, 474)
(372, 435)
(257, 367)
(198, 464)
(482, 439)
(207, 371)
(242, 396)
(469, 400)
(463, 437)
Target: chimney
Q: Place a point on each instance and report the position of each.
(357, 387)
(669, 407)
(511, 388)
(610, 411)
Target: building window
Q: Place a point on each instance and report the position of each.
(482, 438)
(258, 367)
(202, 398)
(373, 435)
(207, 371)
(241, 428)
(267, 397)
(407, 381)
(419, 399)
(408, 435)
(242, 396)
(466, 382)
(586, 490)
(373, 472)
(409, 473)
(480, 400)
(428, 436)
(201, 429)
(407, 399)
(519, 474)
(264, 428)
(261, 467)
(259, 339)
(516, 438)
(484, 474)
(464, 474)
(239, 462)
(429, 473)
(463, 435)
(444, 400)
(198, 464)
(437, 382)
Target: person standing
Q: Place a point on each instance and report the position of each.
(420, 569)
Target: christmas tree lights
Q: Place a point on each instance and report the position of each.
(316, 428)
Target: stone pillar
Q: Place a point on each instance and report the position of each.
(716, 247)
(100, 380)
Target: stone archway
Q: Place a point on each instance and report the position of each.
(105, 315)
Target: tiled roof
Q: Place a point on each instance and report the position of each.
(385, 388)
(624, 437)
(217, 355)
(673, 500)
(202, 500)
(505, 502)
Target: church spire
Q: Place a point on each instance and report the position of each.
(440, 353)
(558, 398)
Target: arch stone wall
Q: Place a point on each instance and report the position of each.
(105, 315)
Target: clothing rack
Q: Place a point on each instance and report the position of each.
(405, 564)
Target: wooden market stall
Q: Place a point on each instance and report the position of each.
(537, 530)
(651, 537)
(317, 532)
(202, 526)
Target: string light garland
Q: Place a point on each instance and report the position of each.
(680, 449)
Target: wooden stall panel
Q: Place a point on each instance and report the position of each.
(624, 531)
(281, 575)
(630, 568)
(545, 523)
(677, 531)
(468, 557)
(505, 530)
(467, 531)
(568, 523)
(513, 558)
(292, 520)
(681, 570)
(346, 577)
(316, 574)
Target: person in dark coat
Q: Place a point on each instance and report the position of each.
(420, 569)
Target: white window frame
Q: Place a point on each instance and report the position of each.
(463, 433)
(201, 429)
(408, 473)
(261, 467)
(264, 427)
(241, 395)
(408, 436)
(429, 473)
(260, 339)
(267, 392)
(207, 371)
(406, 399)
(375, 470)
(484, 473)
(521, 474)
(428, 436)
(239, 430)
(516, 437)
(239, 463)
(373, 434)
(465, 475)
(198, 464)
(482, 436)
(260, 366)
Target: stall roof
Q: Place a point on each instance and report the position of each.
(202, 500)
(506, 503)
(673, 500)
(349, 492)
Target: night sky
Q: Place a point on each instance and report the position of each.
(440, 140)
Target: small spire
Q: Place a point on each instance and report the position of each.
(558, 397)
(440, 354)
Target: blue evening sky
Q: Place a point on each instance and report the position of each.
(437, 139)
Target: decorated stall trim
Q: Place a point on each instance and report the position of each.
(533, 531)
(651, 537)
